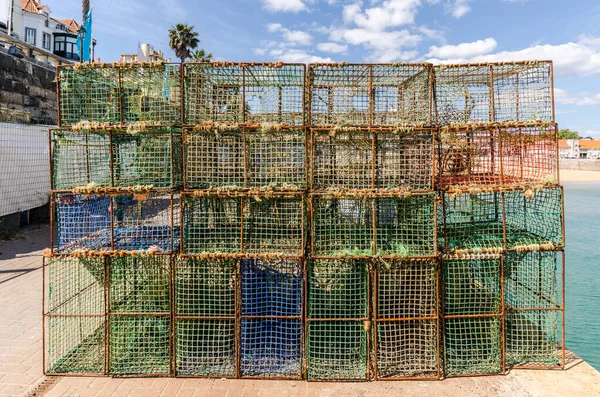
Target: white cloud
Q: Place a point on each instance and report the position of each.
(432, 34)
(332, 47)
(389, 14)
(384, 46)
(298, 56)
(578, 99)
(259, 51)
(463, 50)
(294, 37)
(459, 8)
(284, 5)
(580, 58)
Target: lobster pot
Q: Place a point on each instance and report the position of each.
(245, 158)
(243, 223)
(271, 318)
(139, 342)
(250, 93)
(338, 323)
(344, 226)
(498, 92)
(205, 321)
(117, 157)
(406, 339)
(381, 159)
(494, 154)
(125, 222)
(370, 95)
(88, 94)
(473, 310)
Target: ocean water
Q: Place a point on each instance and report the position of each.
(582, 222)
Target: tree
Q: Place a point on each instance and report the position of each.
(568, 134)
(182, 38)
(200, 56)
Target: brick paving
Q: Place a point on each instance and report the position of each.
(21, 357)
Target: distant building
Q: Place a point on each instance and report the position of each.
(145, 53)
(579, 149)
(41, 35)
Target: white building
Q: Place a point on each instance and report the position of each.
(579, 149)
(145, 53)
(43, 35)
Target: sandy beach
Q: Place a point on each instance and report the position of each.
(579, 176)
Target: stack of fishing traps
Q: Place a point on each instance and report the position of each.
(323, 222)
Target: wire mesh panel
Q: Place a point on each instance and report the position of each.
(151, 156)
(532, 338)
(406, 226)
(206, 347)
(529, 153)
(272, 288)
(151, 93)
(140, 284)
(531, 280)
(523, 91)
(211, 224)
(274, 94)
(214, 159)
(342, 160)
(534, 218)
(74, 316)
(140, 344)
(270, 347)
(274, 225)
(402, 94)
(143, 222)
(404, 160)
(75, 345)
(88, 94)
(139, 222)
(472, 286)
(406, 325)
(472, 346)
(79, 159)
(205, 288)
(82, 222)
(469, 156)
(245, 158)
(337, 350)
(337, 289)
(463, 93)
(253, 93)
(472, 222)
(365, 95)
(276, 159)
(205, 293)
(516, 91)
(342, 226)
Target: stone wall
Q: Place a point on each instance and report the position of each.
(28, 86)
(580, 164)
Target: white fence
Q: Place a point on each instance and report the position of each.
(24, 167)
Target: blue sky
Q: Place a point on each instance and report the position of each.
(567, 32)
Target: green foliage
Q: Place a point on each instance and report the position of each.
(201, 56)
(568, 134)
(183, 38)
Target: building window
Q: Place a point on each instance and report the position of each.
(47, 41)
(46, 23)
(30, 36)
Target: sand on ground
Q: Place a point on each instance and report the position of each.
(579, 176)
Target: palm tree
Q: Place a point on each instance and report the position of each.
(182, 38)
(200, 56)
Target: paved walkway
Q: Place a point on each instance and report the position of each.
(21, 357)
